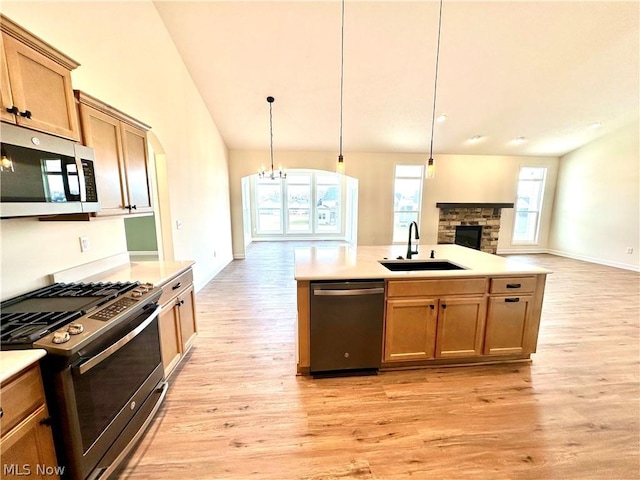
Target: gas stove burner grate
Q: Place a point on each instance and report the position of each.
(29, 317)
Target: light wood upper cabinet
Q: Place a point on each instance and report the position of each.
(122, 159)
(36, 84)
(26, 441)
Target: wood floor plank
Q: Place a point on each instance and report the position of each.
(235, 408)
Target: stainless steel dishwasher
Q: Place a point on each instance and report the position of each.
(346, 325)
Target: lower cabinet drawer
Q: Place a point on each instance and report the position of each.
(175, 286)
(513, 285)
(21, 396)
(421, 288)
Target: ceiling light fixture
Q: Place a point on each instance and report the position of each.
(475, 138)
(262, 173)
(441, 118)
(520, 140)
(431, 168)
(341, 168)
(595, 125)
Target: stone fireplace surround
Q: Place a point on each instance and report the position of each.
(486, 215)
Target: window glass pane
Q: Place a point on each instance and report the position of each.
(407, 194)
(269, 206)
(409, 171)
(299, 220)
(298, 205)
(327, 207)
(401, 223)
(298, 178)
(407, 200)
(528, 204)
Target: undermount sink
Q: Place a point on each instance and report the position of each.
(413, 265)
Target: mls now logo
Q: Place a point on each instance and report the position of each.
(26, 470)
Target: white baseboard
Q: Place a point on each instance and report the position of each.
(599, 261)
(521, 250)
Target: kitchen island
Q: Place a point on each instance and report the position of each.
(485, 309)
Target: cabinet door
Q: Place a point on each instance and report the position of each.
(29, 446)
(102, 133)
(461, 323)
(170, 345)
(6, 100)
(507, 325)
(188, 326)
(410, 330)
(134, 144)
(43, 87)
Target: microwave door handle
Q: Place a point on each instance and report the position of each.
(84, 367)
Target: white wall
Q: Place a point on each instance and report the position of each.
(129, 61)
(597, 208)
(459, 178)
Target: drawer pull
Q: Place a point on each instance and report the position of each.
(1, 412)
(511, 300)
(176, 286)
(514, 285)
(13, 110)
(25, 114)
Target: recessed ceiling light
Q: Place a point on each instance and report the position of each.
(441, 118)
(520, 140)
(595, 125)
(476, 138)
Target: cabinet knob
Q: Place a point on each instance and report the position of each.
(25, 114)
(131, 207)
(444, 305)
(13, 110)
(432, 307)
(179, 303)
(48, 421)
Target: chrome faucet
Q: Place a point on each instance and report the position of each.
(410, 251)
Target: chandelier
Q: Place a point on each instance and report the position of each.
(273, 174)
(431, 168)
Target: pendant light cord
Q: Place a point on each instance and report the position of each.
(271, 131)
(435, 85)
(341, 73)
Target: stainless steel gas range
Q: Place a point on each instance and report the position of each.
(103, 371)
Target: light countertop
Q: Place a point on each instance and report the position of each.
(155, 273)
(361, 262)
(14, 361)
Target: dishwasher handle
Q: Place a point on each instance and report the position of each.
(349, 292)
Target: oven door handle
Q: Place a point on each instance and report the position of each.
(107, 352)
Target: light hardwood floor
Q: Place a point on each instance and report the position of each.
(236, 410)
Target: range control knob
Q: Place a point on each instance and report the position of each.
(75, 328)
(136, 293)
(61, 337)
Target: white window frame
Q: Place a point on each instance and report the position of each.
(536, 209)
(398, 212)
(285, 231)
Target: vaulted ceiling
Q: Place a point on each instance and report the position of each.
(543, 70)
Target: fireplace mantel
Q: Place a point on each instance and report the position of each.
(474, 205)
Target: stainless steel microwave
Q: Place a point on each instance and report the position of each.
(41, 175)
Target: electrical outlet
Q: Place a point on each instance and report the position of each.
(84, 244)
(214, 254)
(629, 250)
(178, 224)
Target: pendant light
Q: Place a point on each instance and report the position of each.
(341, 168)
(431, 168)
(273, 174)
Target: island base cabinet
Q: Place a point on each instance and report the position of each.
(508, 325)
(410, 329)
(461, 324)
